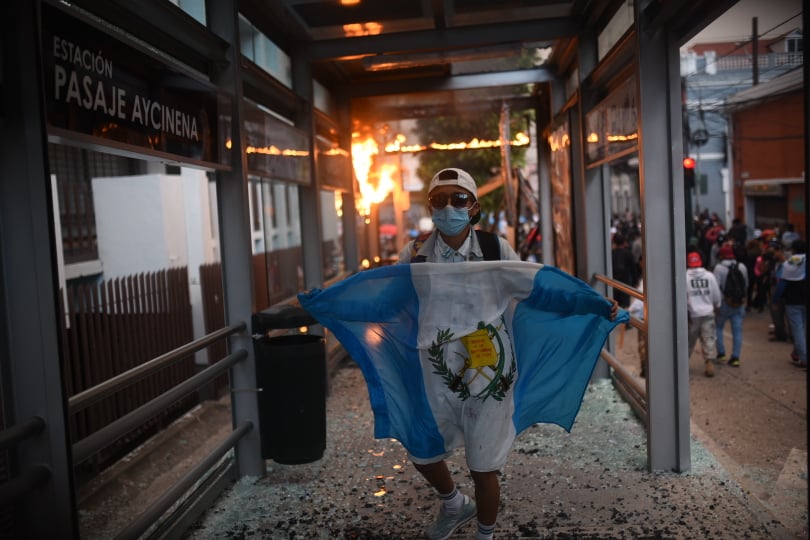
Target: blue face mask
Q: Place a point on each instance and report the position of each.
(450, 220)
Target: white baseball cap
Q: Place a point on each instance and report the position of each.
(454, 177)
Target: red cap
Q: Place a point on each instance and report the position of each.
(726, 252)
(694, 260)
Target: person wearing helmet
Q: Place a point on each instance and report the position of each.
(703, 297)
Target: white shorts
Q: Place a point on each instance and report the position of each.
(475, 412)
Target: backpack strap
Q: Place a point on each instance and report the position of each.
(417, 245)
(490, 246)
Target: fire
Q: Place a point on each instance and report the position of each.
(399, 146)
(271, 150)
(363, 152)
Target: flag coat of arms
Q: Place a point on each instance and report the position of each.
(503, 330)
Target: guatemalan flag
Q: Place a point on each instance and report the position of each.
(484, 330)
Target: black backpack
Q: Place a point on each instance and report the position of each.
(735, 291)
(490, 247)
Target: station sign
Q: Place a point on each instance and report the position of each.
(109, 92)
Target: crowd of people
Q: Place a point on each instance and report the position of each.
(766, 267)
(772, 267)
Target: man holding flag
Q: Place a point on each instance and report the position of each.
(468, 354)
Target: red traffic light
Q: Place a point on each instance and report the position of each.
(688, 163)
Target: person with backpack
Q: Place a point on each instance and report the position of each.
(454, 209)
(481, 422)
(732, 279)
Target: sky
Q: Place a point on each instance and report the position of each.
(774, 17)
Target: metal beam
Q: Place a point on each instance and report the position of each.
(446, 108)
(453, 38)
(449, 84)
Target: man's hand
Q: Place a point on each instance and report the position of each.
(614, 309)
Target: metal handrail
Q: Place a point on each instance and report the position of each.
(30, 478)
(87, 397)
(25, 482)
(142, 523)
(633, 392)
(11, 436)
(623, 287)
(94, 442)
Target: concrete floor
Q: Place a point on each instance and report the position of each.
(591, 483)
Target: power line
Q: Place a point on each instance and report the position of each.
(744, 43)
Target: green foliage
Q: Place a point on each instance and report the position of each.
(482, 164)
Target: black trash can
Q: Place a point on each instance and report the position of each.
(291, 375)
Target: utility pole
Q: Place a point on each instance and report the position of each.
(755, 50)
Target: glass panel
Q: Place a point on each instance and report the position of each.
(625, 209)
(560, 142)
(264, 53)
(147, 280)
(278, 271)
(332, 211)
(195, 8)
(619, 24)
(246, 37)
(612, 126)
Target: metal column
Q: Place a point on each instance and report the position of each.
(29, 334)
(664, 247)
(234, 226)
(309, 195)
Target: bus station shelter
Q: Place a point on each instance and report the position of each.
(227, 86)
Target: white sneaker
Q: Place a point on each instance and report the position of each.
(445, 524)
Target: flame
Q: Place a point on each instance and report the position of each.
(363, 153)
(362, 29)
(271, 150)
(622, 138)
(398, 146)
(557, 142)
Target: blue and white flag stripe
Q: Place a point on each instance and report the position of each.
(388, 317)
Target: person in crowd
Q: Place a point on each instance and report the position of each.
(634, 239)
(793, 289)
(531, 248)
(753, 252)
(624, 268)
(774, 257)
(714, 252)
(789, 236)
(738, 232)
(482, 425)
(636, 310)
(702, 299)
(729, 311)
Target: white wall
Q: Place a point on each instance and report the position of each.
(152, 222)
(140, 223)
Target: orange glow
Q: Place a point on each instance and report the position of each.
(363, 152)
(621, 138)
(364, 29)
(271, 150)
(398, 146)
(556, 142)
(592, 138)
(349, 2)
